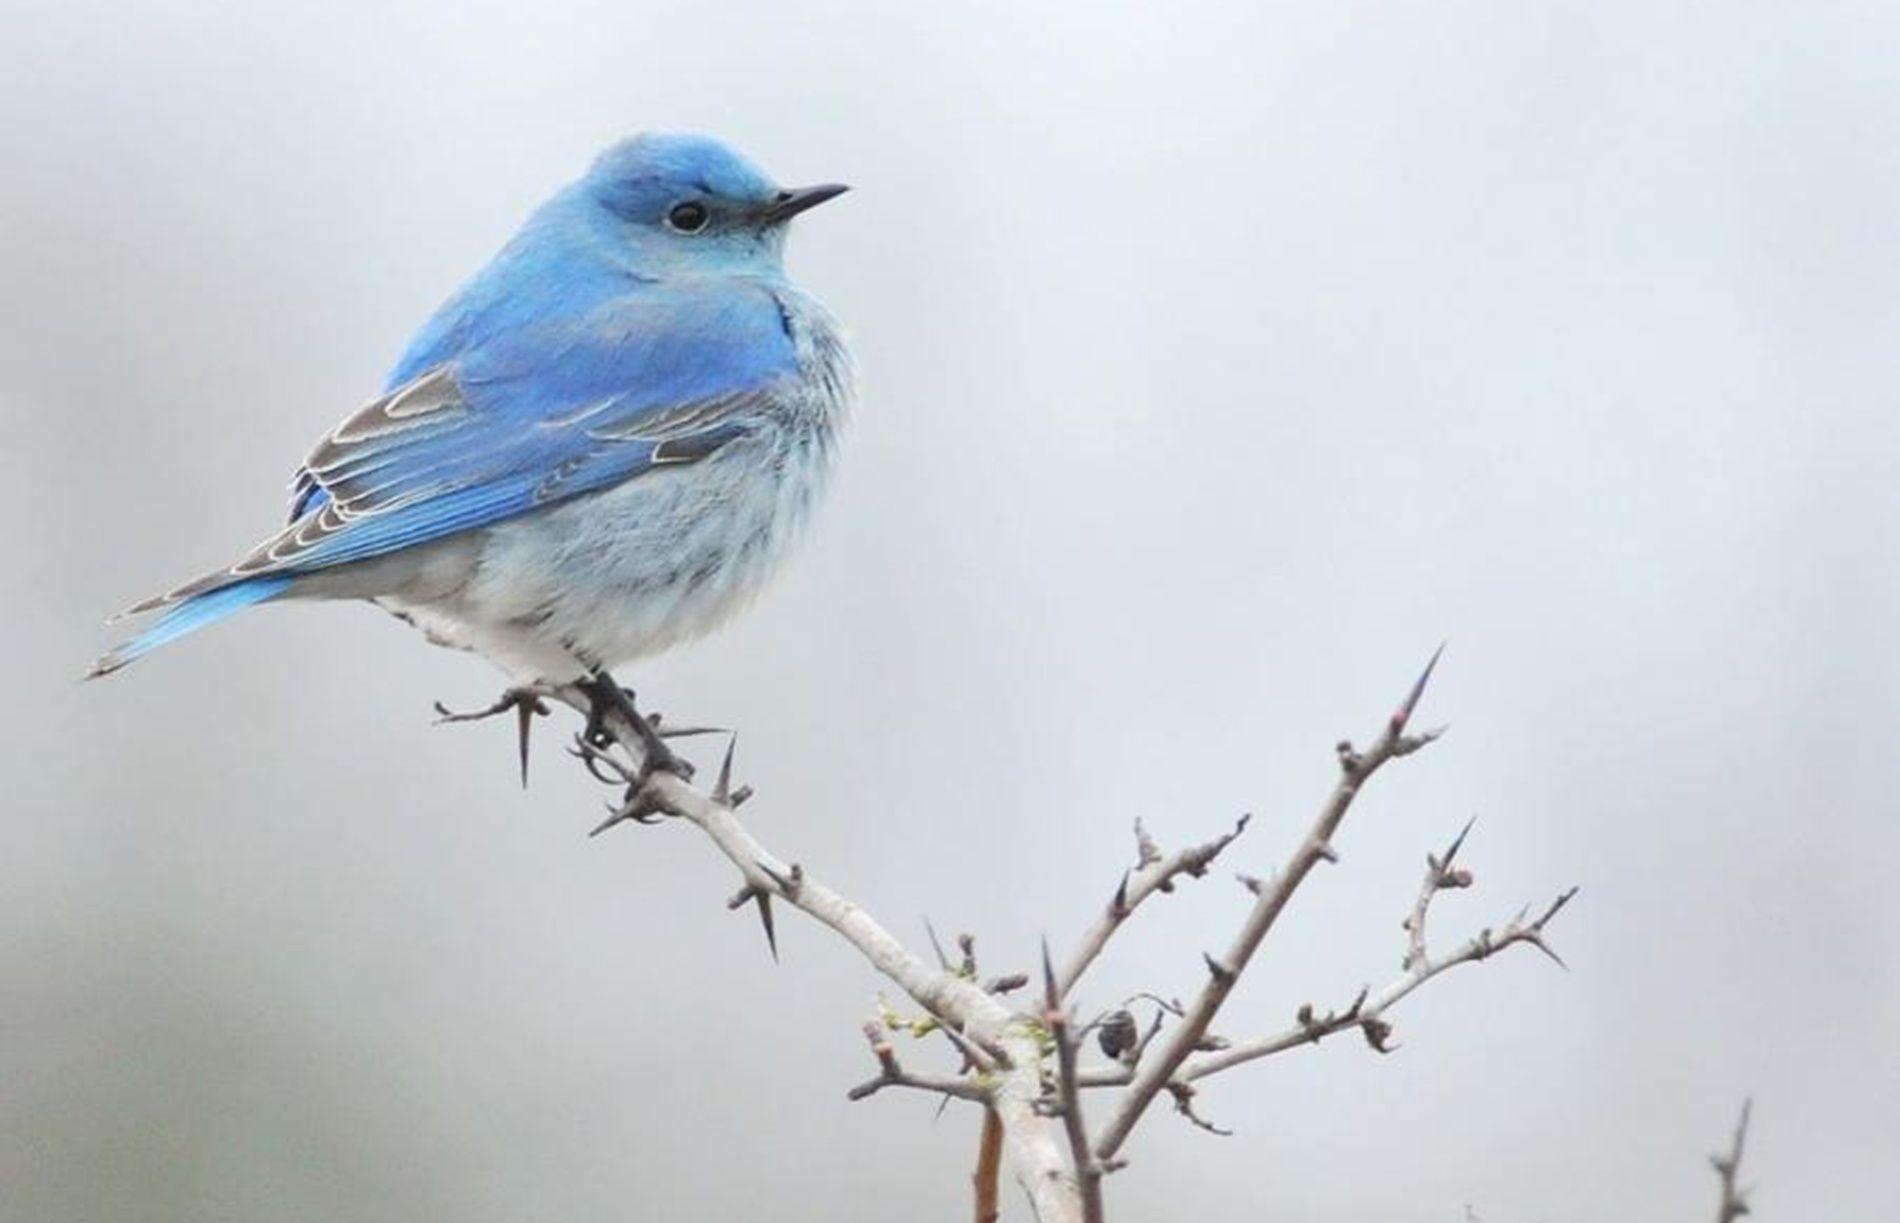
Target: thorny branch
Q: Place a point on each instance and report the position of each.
(1154, 872)
(1068, 1093)
(1734, 1202)
(1023, 1065)
(892, 1074)
(1005, 1046)
(1355, 769)
(1367, 1012)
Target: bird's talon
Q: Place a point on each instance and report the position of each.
(605, 697)
(511, 698)
(524, 700)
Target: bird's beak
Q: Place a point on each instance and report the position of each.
(790, 203)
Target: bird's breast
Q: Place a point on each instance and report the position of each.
(826, 371)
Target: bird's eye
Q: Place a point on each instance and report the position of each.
(688, 218)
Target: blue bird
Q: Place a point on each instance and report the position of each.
(598, 448)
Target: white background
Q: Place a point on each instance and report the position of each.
(1217, 364)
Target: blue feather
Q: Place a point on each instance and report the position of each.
(600, 343)
(189, 616)
(520, 422)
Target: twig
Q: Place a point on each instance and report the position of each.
(1734, 1202)
(1183, 1095)
(890, 1073)
(1368, 1014)
(1154, 872)
(1354, 770)
(1055, 1017)
(1439, 876)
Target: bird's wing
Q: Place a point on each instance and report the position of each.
(523, 422)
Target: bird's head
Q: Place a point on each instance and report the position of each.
(691, 202)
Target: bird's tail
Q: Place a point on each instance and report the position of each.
(189, 615)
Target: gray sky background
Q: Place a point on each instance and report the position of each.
(1217, 364)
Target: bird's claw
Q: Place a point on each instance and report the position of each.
(605, 697)
(527, 702)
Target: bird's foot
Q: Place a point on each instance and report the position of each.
(526, 700)
(606, 699)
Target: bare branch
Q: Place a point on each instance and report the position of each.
(1184, 1104)
(1055, 1017)
(1439, 876)
(1104, 1076)
(890, 1073)
(1368, 1015)
(1355, 769)
(1154, 872)
(1734, 1201)
(964, 1006)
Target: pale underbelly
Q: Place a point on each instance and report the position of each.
(619, 574)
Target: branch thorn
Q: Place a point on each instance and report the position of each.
(1404, 713)
(722, 789)
(761, 897)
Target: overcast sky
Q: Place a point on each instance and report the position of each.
(1217, 364)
